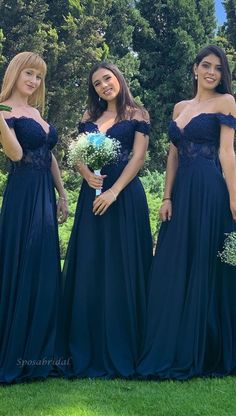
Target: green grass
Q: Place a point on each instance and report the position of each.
(57, 397)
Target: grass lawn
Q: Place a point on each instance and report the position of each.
(57, 397)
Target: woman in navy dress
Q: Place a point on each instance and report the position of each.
(191, 318)
(110, 248)
(29, 249)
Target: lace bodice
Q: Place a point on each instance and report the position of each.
(200, 137)
(123, 131)
(35, 142)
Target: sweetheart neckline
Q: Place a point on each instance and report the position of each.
(182, 129)
(31, 118)
(118, 122)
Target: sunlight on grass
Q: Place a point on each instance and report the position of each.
(59, 397)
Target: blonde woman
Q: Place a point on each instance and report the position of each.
(29, 249)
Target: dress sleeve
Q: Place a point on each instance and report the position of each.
(227, 119)
(10, 122)
(142, 127)
(81, 127)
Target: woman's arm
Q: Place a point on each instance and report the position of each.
(227, 154)
(62, 206)
(165, 212)
(134, 165)
(171, 168)
(8, 139)
(130, 171)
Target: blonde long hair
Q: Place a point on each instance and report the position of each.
(17, 64)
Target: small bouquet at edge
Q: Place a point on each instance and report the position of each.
(95, 150)
(228, 254)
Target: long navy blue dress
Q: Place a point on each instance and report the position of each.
(191, 318)
(106, 270)
(29, 258)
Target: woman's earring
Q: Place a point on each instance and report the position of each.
(99, 99)
(195, 77)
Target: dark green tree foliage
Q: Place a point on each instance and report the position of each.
(227, 37)
(167, 36)
(206, 13)
(230, 26)
(119, 37)
(23, 25)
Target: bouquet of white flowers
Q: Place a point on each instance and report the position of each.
(228, 254)
(95, 150)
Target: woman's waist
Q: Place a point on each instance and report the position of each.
(18, 168)
(35, 165)
(201, 164)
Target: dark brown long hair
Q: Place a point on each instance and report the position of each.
(225, 85)
(126, 105)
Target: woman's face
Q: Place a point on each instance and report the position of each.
(106, 84)
(28, 81)
(208, 72)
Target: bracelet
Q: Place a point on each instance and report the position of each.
(63, 199)
(166, 199)
(113, 193)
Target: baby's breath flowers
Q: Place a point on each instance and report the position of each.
(228, 254)
(95, 150)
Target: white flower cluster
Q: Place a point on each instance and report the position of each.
(228, 254)
(93, 149)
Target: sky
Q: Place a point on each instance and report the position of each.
(220, 12)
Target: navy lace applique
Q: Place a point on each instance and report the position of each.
(36, 143)
(200, 136)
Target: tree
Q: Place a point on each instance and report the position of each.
(22, 24)
(119, 38)
(230, 26)
(226, 37)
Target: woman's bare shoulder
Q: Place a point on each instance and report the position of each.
(227, 105)
(179, 107)
(85, 116)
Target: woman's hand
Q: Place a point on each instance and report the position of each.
(95, 181)
(165, 212)
(62, 210)
(103, 201)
